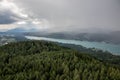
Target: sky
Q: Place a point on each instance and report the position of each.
(61, 15)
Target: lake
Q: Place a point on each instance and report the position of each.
(113, 48)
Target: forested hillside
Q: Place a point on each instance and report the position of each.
(103, 56)
(40, 60)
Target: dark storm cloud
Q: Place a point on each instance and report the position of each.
(7, 17)
(9, 12)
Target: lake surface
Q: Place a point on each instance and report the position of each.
(115, 49)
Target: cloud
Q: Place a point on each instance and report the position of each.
(63, 15)
(78, 14)
(5, 27)
(10, 13)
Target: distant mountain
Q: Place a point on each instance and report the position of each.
(111, 37)
(22, 30)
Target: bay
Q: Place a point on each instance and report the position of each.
(113, 48)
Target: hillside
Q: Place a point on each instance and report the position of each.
(111, 37)
(103, 56)
(40, 60)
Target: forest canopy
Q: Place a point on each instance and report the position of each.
(41, 60)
